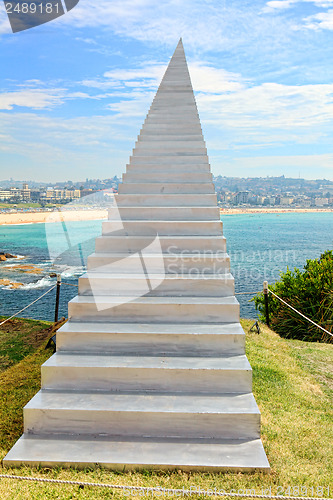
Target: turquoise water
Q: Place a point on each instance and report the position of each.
(260, 246)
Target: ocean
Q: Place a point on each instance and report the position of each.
(260, 246)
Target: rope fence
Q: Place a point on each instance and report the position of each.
(159, 490)
(291, 307)
(29, 305)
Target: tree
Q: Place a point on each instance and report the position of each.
(309, 291)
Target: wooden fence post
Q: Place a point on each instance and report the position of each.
(56, 312)
(266, 302)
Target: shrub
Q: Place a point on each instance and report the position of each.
(310, 291)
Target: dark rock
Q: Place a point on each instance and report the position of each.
(6, 255)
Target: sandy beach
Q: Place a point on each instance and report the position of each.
(235, 211)
(56, 216)
(77, 215)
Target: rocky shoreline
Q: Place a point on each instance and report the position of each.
(5, 255)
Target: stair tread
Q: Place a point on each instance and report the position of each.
(131, 453)
(104, 360)
(167, 237)
(185, 255)
(171, 221)
(116, 299)
(94, 273)
(144, 402)
(162, 328)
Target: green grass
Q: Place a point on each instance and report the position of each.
(292, 383)
(19, 338)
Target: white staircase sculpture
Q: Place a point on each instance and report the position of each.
(150, 370)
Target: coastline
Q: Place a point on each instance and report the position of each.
(95, 214)
(51, 216)
(235, 211)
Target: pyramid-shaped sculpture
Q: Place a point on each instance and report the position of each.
(150, 370)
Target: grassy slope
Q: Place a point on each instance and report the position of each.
(292, 384)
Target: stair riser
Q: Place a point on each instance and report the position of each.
(171, 145)
(157, 213)
(166, 188)
(156, 344)
(174, 120)
(168, 245)
(142, 424)
(173, 116)
(204, 287)
(138, 152)
(170, 167)
(154, 136)
(166, 159)
(147, 379)
(166, 200)
(165, 228)
(186, 178)
(168, 263)
(153, 127)
(148, 313)
(173, 129)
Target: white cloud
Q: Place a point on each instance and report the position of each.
(287, 4)
(270, 105)
(323, 20)
(279, 5)
(249, 115)
(204, 24)
(31, 98)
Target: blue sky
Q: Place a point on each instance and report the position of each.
(74, 92)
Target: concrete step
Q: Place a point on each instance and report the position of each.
(146, 150)
(167, 285)
(181, 126)
(196, 263)
(166, 200)
(154, 309)
(171, 168)
(185, 106)
(222, 375)
(159, 244)
(164, 227)
(167, 188)
(159, 137)
(173, 116)
(126, 454)
(225, 416)
(171, 129)
(172, 158)
(178, 122)
(156, 339)
(170, 144)
(167, 176)
(161, 213)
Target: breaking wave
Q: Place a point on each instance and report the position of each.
(42, 283)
